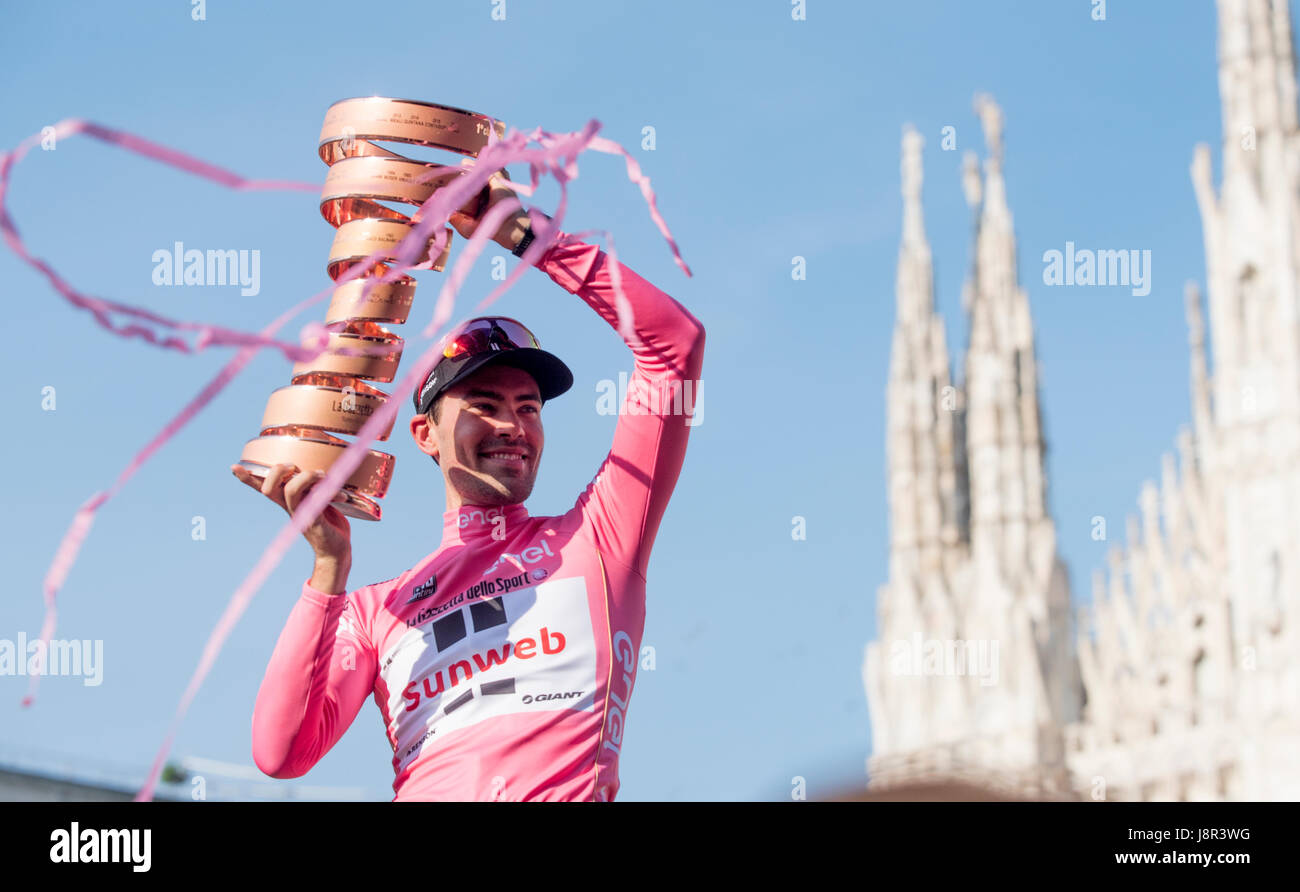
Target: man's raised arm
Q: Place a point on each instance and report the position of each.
(627, 498)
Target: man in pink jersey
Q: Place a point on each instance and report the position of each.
(503, 662)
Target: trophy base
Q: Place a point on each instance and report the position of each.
(348, 502)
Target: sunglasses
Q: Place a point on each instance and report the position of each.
(487, 334)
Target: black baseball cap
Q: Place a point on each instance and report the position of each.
(485, 340)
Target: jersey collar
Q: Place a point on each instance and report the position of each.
(471, 523)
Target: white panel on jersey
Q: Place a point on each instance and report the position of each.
(529, 650)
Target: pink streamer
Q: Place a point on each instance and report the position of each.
(433, 214)
(600, 144)
(209, 335)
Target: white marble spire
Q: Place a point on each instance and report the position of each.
(922, 473)
(921, 400)
(1009, 523)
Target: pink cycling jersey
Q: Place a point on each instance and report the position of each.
(504, 661)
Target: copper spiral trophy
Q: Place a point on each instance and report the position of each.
(329, 395)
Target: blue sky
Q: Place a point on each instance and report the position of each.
(774, 138)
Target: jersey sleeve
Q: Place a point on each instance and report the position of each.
(626, 501)
(320, 674)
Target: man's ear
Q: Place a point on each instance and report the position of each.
(422, 433)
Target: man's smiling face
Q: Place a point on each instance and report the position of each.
(487, 438)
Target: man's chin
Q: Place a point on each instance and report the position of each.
(491, 489)
(507, 488)
(516, 489)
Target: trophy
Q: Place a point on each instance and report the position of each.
(329, 395)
